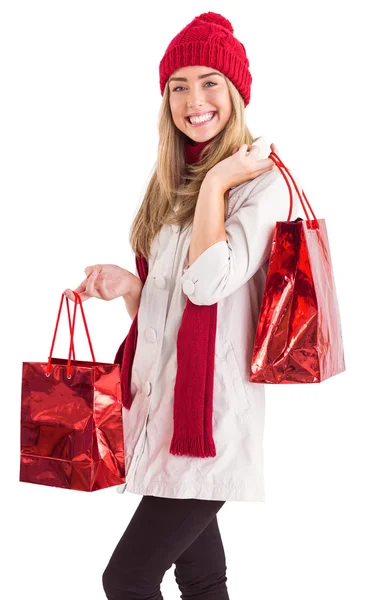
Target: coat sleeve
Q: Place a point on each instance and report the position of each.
(225, 266)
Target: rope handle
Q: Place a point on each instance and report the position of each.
(72, 330)
(281, 166)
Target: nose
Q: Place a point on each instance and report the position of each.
(195, 100)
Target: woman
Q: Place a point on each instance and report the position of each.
(193, 424)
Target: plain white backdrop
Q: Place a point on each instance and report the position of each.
(79, 108)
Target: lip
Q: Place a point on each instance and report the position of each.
(201, 124)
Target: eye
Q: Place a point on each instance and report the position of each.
(180, 86)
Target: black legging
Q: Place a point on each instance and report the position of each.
(161, 532)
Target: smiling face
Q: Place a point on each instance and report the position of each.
(198, 90)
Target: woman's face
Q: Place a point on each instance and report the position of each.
(193, 93)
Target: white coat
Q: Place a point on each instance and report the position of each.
(231, 273)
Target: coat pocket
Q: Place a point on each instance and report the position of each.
(234, 378)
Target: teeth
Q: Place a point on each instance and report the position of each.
(206, 117)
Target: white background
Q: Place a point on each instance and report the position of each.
(79, 108)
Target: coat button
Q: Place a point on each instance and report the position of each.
(160, 282)
(147, 388)
(175, 228)
(188, 287)
(150, 334)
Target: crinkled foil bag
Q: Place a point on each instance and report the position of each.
(298, 337)
(71, 428)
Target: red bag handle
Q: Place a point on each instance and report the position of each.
(72, 329)
(279, 163)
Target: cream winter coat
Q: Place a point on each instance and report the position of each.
(231, 273)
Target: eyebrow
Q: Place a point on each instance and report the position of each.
(199, 77)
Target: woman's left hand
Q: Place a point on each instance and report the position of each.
(239, 168)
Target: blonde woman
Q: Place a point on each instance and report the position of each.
(193, 424)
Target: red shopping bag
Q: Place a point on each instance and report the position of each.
(298, 336)
(71, 420)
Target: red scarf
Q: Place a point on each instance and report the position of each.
(193, 391)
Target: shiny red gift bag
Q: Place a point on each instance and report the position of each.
(298, 336)
(71, 420)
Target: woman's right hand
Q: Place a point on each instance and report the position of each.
(106, 282)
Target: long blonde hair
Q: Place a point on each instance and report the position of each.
(174, 183)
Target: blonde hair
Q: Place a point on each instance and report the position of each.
(174, 183)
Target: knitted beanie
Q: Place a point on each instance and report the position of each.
(208, 41)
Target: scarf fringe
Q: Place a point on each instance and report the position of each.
(192, 446)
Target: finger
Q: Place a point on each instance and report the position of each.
(91, 269)
(254, 149)
(104, 292)
(90, 287)
(248, 147)
(265, 164)
(69, 294)
(252, 152)
(244, 148)
(79, 290)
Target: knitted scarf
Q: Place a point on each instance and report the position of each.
(195, 347)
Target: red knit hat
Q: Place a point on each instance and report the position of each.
(208, 40)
